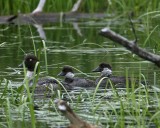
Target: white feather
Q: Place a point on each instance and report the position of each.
(29, 74)
(69, 75)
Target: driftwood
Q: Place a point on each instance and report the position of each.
(37, 17)
(42, 18)
(130, 45)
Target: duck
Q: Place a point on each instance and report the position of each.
(75, 121)
(106, 74)
(43, 83)
(73, 81)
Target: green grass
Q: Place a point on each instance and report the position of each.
(122, 6)
(124, 107)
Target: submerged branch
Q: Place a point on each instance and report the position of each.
(42, 18)
(130, 45)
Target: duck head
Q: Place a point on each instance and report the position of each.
(75, 121)
(67, 72)
(62, 106)
(104, 68)
(30, 62)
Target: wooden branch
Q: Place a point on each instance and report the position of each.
(39, 7)
(42, 18)
(130, 45)
(76, 6)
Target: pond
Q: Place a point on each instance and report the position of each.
(77, 44)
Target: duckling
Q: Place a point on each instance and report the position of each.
(44, 83)
(106, 71)
(72, 81)
(75, 121)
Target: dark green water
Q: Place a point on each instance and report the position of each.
(66, 47)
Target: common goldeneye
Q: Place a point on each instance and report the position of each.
(72, 81)
(43, 84)
(106, 74)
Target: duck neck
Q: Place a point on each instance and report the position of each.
(105, 75)
(29, 74)
(73, 118)
(29, 77)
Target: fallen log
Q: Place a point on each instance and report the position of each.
(42, 18)
(130, 45)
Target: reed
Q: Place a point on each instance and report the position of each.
(45, 55)
(132, 106)
(30, 95)
(122, 6)
(8, 113)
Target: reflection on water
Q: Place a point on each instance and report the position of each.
(66, 47)
(80, 46)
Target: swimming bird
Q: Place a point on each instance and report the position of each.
(75, 121)
(106, 74)
(72, 81)
(43, 84)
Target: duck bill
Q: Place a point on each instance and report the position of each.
(96, 70)
(61, 74)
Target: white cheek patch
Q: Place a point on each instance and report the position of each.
(62, 107)
(107, 71)
(69, 75)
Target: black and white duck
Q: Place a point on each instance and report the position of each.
(73, 81)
